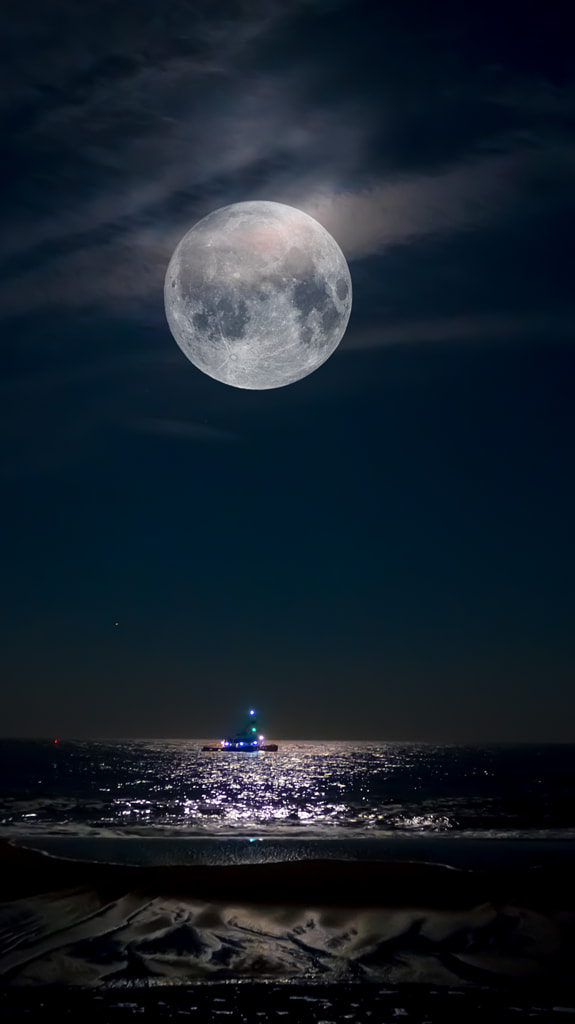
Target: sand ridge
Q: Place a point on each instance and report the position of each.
(64, 922)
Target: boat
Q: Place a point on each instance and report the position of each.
(248, 741)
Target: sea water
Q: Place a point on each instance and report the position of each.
(339, 799)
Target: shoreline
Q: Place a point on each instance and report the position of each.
(25, 871)
(153, 849)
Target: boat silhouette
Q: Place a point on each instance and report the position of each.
(248, 740)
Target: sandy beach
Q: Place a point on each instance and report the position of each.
(95, 932)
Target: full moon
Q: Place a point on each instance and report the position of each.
(258, 295)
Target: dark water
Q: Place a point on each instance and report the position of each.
(338, 791)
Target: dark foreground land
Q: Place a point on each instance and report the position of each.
(317, 941)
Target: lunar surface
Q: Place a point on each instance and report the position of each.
(258, 295)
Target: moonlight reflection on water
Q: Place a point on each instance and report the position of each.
(314, 790)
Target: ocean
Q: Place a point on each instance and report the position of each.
(357, 799)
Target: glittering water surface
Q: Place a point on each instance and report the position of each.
(311, 790)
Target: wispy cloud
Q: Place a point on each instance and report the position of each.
(184, 430)
(498, 326)
(173, 129)
(404, 209)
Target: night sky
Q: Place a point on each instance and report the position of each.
(383, 550)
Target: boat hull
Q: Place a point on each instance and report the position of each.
(236, 749)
